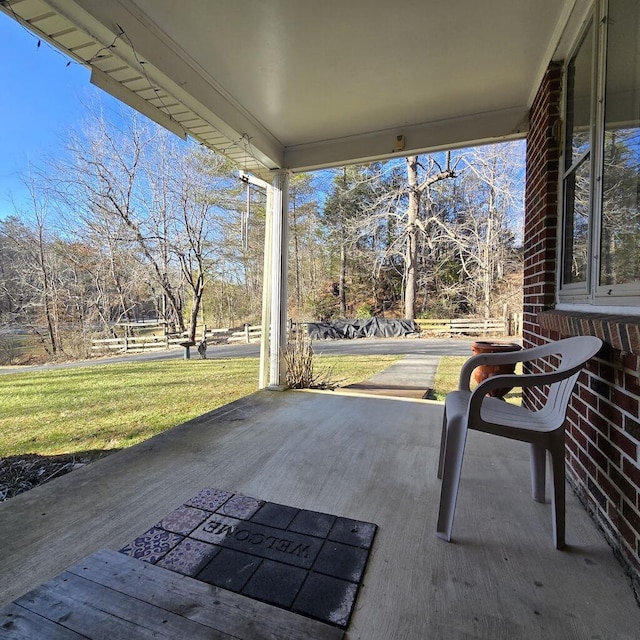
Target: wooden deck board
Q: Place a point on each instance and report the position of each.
(69, 610)
(110, 596)
(18, 623)
(91, 608)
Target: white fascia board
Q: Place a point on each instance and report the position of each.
(468, 131)
(171, 69)
(105, 82)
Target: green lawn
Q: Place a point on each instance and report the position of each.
(115, 406)
(447, 375)
(449, 372)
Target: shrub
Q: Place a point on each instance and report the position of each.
(301, 373)
(365, 310)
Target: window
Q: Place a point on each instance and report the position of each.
(601, 168)
(577, 163)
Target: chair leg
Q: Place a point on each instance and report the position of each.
(558, 493)
(443, 444)
(538, 471)
(454, 451)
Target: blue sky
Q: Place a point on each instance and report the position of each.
(42, 98)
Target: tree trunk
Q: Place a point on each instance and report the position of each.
(411, 255)
(46, 292)
(490, 247)
(343, 278)
(296, 254)
(198, 291)
(487, 272)
(412, 229)
(343, 249)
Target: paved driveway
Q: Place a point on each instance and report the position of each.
(363, 346)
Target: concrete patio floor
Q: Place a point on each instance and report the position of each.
(363, 457)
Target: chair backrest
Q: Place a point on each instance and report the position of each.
(571, 355)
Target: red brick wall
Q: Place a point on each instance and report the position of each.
(541, 204)
(603, 428)
(602, 449)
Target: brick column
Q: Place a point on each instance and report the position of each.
(541, 210)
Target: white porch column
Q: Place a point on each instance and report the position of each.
(278, 279)
(263, 379)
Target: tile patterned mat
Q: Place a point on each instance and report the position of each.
(308, 562)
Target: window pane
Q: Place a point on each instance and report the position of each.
(576, 223)
(577, 181)
(579, 80)
(620, 234)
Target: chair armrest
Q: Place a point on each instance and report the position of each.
(515, 380)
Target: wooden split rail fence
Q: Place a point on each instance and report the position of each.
(250, 333)
(508, 326)
(150, 342)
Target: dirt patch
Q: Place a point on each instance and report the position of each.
(21, 473)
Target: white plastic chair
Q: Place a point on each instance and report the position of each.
(543, 428)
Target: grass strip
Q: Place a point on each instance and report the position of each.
(107, 407)
(448, 374)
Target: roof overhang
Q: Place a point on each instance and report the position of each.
(288, 84)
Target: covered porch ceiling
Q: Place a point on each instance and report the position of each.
(298, 85)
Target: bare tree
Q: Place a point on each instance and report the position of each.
(199, 201)
(399, 208)
(150, 223)
(446, 227)
(105, 180)
(141, 195)
(31, 238)
(481, 223)
(417, 186)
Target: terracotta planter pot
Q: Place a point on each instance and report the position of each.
(486, 371)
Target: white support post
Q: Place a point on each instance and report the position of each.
(263, 380)
(266, 277)
(274, 284)
(279, 244)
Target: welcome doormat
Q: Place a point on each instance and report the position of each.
(307, 562)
